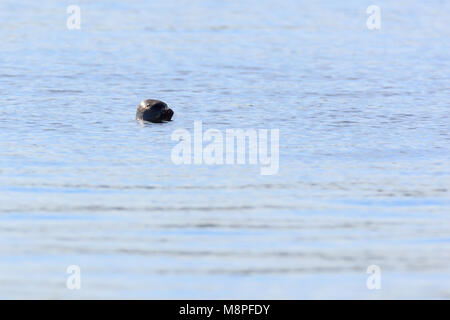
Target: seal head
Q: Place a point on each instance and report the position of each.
(153, 111)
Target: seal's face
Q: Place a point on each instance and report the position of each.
(153, 111)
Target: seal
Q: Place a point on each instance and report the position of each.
(153, 111)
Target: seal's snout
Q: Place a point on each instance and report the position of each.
(168, 115)
(154, 111)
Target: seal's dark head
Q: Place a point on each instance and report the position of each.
(153, 111)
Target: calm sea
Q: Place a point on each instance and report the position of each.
(364, 172)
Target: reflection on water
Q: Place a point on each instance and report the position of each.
(364, 150)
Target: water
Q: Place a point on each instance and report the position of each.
(364, 150)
